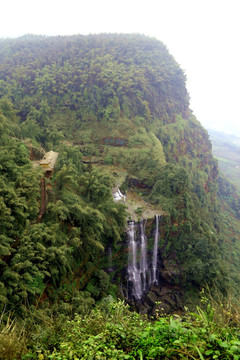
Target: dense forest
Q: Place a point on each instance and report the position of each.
(116, 111)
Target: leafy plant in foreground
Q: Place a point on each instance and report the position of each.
(114, 332)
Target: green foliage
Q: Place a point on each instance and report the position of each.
(31, 129)
(111, 331)
(122, 100)
(34, 255)
(84, 79)
(95, 186)
(12, 339)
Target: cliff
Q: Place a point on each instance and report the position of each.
(116, 108)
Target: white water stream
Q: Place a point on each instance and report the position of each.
(155, 252)
(139, 268)
(133, 272)
(143, 258)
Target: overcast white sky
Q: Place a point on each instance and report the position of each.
(202, 35)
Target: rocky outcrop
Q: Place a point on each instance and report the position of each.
(163, 299)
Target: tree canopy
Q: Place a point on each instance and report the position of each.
(108, 104)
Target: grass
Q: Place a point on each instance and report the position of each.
(115, 332)
(12, 339)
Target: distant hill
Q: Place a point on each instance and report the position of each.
(226, 148)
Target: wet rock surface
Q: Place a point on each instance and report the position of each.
(162, 298)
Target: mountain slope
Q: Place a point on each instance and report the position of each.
(117, 109)
(226, 148)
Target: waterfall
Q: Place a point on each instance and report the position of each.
(133, 271)
(143, 258)
(141, 273)
(155, 251)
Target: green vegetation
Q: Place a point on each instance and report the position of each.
(115, 107)
(80, 220)
(112, 331)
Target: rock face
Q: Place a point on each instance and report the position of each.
(164, 298)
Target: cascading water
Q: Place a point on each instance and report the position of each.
(141, 273)
(155, 251)
(143, 258)
(133, 271)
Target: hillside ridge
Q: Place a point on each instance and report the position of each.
(116, 109)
